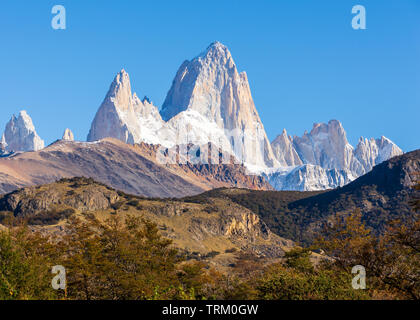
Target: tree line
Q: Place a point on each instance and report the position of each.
(128, 259)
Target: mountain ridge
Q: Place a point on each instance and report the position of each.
(210, 101)
(324, 159)
(382, 195)
(212, 230)
(130, 168)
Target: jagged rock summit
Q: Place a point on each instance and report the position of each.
(68, 135)
(211, 95)
(324, 159)
(122, 115)
(210, 102)
(326, 145)
(374, 151)
(285, 151)
(20, 134)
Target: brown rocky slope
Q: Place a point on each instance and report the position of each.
(130, 168)
(219, 228)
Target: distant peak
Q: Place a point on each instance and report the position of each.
(122, 76)
(20, 134)
(283, 136)
(146, 99)
(121, 83)
(23, 113)
(215, 49)
(216, 45)
(332, 126)
(24, 118)
(68, 135)
(384, 139)
(334, 121)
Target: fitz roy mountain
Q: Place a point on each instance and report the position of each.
(210, 101)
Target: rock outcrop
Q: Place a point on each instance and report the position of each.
(20, 134)
(68, 135)
(34, 200)
(199, 229)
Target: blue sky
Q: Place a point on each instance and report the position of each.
(304, 62)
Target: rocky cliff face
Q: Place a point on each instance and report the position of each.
(87, 196)
(326, 146)
(20, 134)
(211, 89)
(284, 150)
(116, 116)
(122, 115)
(374, 151)
(308, 177)
(209, 101)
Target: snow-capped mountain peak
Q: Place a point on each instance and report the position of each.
(211, 101)
(326, 145)
(284, 150)
(217, 55)
(122, 115)
(328, 159)
(370, 152)
(20, 134)
(211, 85)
